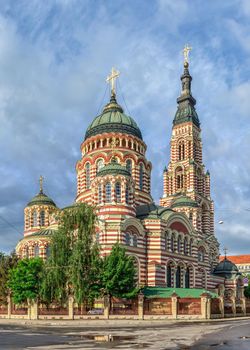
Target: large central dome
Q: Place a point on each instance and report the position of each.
(113, 119)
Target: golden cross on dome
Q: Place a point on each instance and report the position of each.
(112, 78)
(186, 51)
(41, 178)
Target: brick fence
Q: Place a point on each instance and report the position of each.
(173, 307)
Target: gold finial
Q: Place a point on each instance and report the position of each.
(41, 178)
(186, 51)
(111, 79)
(113, 145)
(225, 251)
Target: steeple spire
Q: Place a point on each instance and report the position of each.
(41, 178)
(186, 102)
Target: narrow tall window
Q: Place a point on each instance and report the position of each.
(118, 192)
(47, 251)
(181, 150)
(166, 241)
(141, 177)
(127, 194)
(108, 192)
(172, 243)
(127, 238)
(178, 277)
(187, 278)
(129, 165)
(99, 164)
(185, 248)
(99, 194)
(87, 171)
(36, 251)
(191, 247)
(42, 218)
(135, 240)
(169, 277)
(34, 218)
(26, 252)
(179, 244)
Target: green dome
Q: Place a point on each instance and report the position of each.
(113, 119)
(226, 269)
(184, 201)
(113, 168)
(41, 199)
(44, 232)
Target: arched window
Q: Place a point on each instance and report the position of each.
(108, 192)
(118, 192)
(178, 277)
(34, 218)
(48, 251)
(172, 243)
(169, 276)
(99, 193)
(179, 244)
(127, 194)
(26, 252)
(99, 164)
(179, 178)
(181, 151)
(135, 240)
(127, 238)
(87, 171)
(141, 177)
(42, 218)
(36, 251)
(187, 278)
(201, 254)
(129, 165)
(185, 246)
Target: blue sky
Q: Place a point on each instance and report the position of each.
(54, 59)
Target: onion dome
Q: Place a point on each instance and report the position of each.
(184, 201)
(226, 269)
(41, 198)
(113, 168)
(113, 119)
(186, 103)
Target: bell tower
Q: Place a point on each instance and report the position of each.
(186, 185)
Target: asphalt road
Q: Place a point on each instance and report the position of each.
(197, 336)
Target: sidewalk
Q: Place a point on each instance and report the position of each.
(111, 323)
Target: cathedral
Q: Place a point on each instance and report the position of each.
(173, 243)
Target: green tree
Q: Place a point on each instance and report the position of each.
(119, 274)
(74, 266)
(7, 262)
(24, 280)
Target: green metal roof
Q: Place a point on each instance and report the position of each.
(186, 113)
(113, 168)
(227, 269)
(184, 201)
(113, 119)
(43, 232)
(151, 211)
(164, 292)
(41, 199)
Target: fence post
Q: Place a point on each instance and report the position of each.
(222, 307)
(71, 307)
(174, 298)
(9, 305)
(205, 306)
(244, 309)
(140, 306)
(106, 302)
(33, 310)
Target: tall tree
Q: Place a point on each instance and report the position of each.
(74, 266)
(7, 262)
(119, 274)
(24, 280)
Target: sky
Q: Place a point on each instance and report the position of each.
(54, 60)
